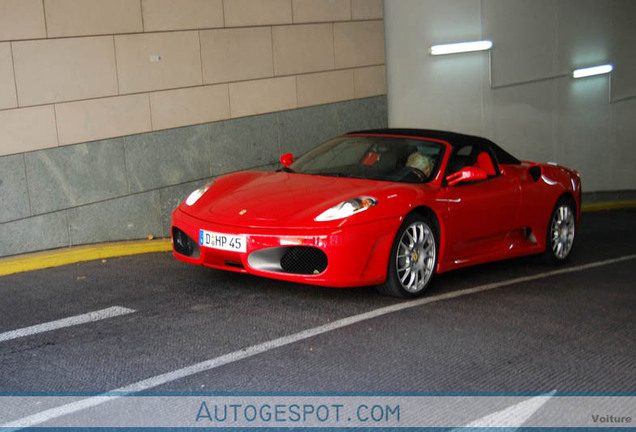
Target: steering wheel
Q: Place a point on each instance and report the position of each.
(418, 172)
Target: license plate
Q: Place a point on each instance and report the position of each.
(220, 241)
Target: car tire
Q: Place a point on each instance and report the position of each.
(413, 259)
(561, 232)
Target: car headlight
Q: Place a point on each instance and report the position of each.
(347, 208)
(194, 196)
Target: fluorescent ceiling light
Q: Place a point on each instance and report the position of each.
(461, 47)
(591, 71)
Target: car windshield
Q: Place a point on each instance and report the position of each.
(374, 158)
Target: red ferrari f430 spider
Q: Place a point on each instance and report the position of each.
(387, 207)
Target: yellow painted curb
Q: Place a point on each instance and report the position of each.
(72, 255)
(607, 206)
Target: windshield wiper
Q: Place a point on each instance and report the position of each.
(331, 174)
(338, 174)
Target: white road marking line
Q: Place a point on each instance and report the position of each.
(99, 315)
(253, 350)
(514, 416)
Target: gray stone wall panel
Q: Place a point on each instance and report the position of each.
(244, 143)
(67, 177)
(303, 129)
(128, 218)
(14, 196)
(362, 114)
(159, 159)
(36, 233)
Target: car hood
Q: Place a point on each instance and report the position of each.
(280, 199)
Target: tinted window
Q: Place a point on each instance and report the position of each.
(374, 158)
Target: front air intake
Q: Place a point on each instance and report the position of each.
(183, 244)
(303, 260)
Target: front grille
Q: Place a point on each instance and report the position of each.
(183, 244)
(303, 260)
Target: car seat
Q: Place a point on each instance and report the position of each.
(485, 162)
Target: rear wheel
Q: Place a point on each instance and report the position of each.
(413, 259)
(561, 231)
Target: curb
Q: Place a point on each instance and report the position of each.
(76, 254)
(607, 206)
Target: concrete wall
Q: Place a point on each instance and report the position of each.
(112, 110)
(521, 94)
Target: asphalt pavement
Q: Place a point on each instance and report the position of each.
(150, 323)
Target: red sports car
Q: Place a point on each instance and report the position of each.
(387, 207)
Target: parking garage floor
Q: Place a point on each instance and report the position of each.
(154, 324)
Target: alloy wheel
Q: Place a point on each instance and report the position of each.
(415, 258)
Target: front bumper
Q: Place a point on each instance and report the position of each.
(355, 255)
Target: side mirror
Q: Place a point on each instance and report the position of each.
(467, 174)
(535, 172)
(287, 159)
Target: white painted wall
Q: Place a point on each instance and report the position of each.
(521, 94)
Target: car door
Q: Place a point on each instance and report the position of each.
(480, 213)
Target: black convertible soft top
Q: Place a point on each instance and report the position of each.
(453, 138)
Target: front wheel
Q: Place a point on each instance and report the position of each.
(413, 259)
(561, 231)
